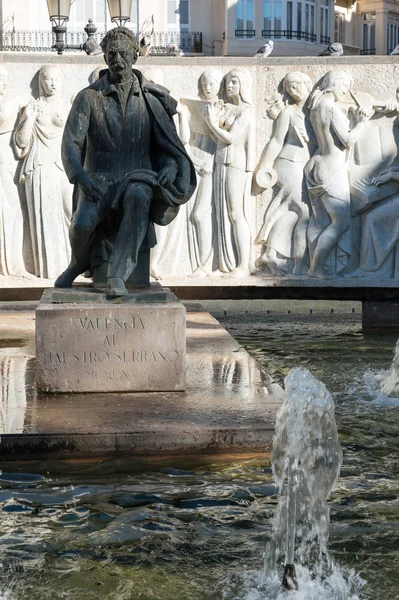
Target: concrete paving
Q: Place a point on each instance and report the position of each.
(229, 405)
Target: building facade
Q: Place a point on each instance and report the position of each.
(233, 27)
(370, 25)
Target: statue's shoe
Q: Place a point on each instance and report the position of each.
(116, 286)
(66, 279)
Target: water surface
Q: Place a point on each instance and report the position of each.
(193, 530)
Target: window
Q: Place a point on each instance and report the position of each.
(83, 10)
(245, 19)
(339, 29)
(177, 15)
(393, 32)
(272, 21)
(325, 22)
(368, 33)
(297, 21)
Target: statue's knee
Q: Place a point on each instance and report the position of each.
(81, 228)
(137, 193)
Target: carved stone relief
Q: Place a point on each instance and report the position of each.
(340, 223)
(37, 140)
(232, 125)
(201, 145)
(327, 169)
(283, 233)
(11, 224)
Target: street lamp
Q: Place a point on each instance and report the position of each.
(59, 15)
(119, 11)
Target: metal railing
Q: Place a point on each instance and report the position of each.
(351, 50)
(245, 33)
(368, 51)
(43, 40)
(188, 41)
(39, 40)
(324, 39)
(288, 34)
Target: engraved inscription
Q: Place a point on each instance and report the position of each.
(103, 356)
(111, 323)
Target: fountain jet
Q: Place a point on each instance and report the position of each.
(306, 461)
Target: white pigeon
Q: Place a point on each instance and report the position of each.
(265, 50)
(334, 49)
(174, 50)
(395, 51)
(145, 45)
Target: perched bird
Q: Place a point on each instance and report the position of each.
(145, 45)
(334, 49)
(395, 51)
(174, 50)
(265, 50)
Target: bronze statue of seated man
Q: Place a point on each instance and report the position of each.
(129, 168)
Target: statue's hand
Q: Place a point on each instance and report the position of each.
(167, 175)
(382, 178)
(90, 188)
(365, 113)
(31, 109)
(390, 107)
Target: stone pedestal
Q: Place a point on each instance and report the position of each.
(86, 342)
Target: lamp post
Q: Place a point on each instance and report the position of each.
(59, 15)
(119, 11)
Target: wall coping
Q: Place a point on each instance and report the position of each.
(248, 61)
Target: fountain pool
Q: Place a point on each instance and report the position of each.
(195, 529)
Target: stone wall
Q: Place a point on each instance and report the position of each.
(284, 192)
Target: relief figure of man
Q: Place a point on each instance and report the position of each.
(130, 170)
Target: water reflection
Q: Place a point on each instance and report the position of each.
(17, 390)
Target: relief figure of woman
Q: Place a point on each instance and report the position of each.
(233, 129)
(37, 140)
(286, 220)
(201, 145)
(11, 223)
(327, 174)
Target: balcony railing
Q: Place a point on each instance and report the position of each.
(43, 40)
(324, 39)
(351, 50)
(288, 34)
(245, 33)
(188, 41)
(39, 40)
(368, 51)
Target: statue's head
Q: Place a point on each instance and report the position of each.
(120, 49)
(337, 82)
(209, 84)
(297, 85)
(3, 80)
(238, 83)
(50, 80)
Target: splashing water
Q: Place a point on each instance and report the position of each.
(390, 384)
(306, 460)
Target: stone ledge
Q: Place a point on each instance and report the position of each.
(229, 406)
(194, 60)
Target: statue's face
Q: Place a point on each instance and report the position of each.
(210, 87)
(297, 90)
(50, 81)
(341, 87)
(120, 57)
(3, 84)
(233, 87)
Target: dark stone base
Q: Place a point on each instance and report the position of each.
(380, 314)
